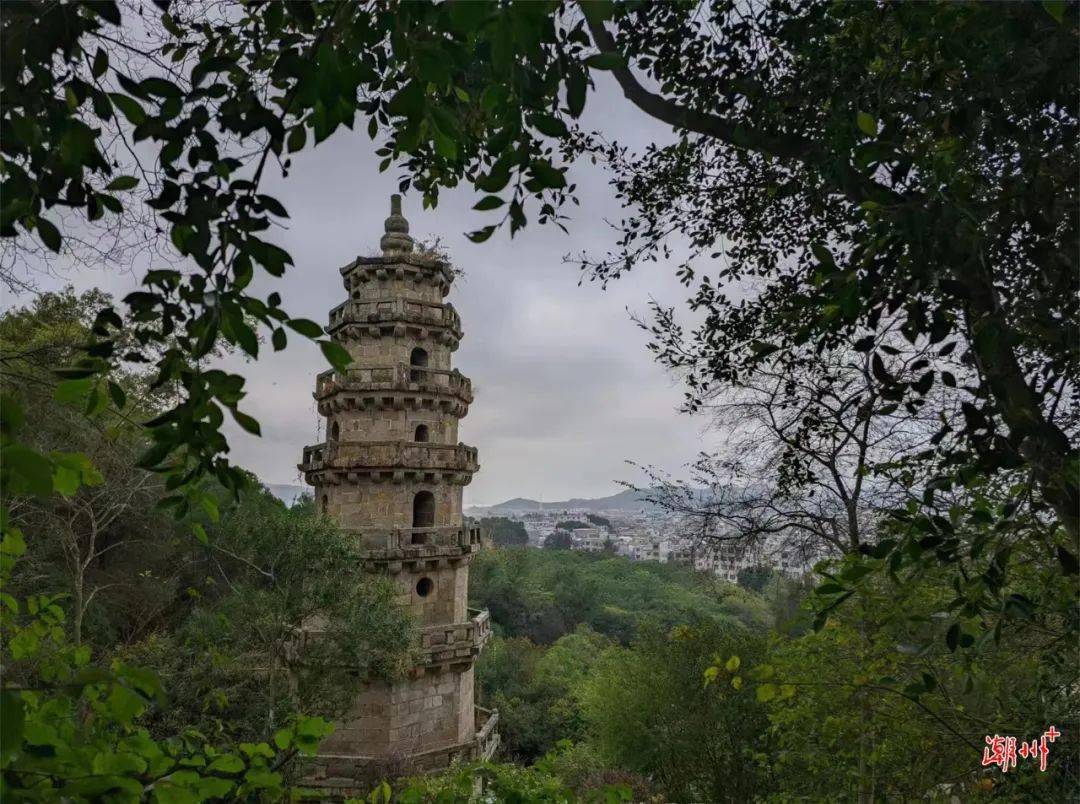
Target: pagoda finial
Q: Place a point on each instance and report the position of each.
(397, 229)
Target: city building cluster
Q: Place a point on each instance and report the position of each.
(650, 534)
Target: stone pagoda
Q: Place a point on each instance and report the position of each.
(391, 473)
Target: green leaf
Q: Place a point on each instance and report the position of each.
(249, 423)
(246, 337)
(824, 256)
(488, 203)
(27, 471)
(101, 63)
(480, 235)
(732, 664)
(279, 339)
(306, 327)
(466, 15)
(257, 750)
(867, 124)
(124, 704)
(73, 391)
(297, 138)
(230, 763)
(766, 692)
(549, 125)
(66, 481)
(180, 235)
(200, 533)
(262, 780)
(209, 504)
(49, 234)
(122, 183)
(119, 763)
(130, 108)
(336, 354)
(576, 86)
(762, 349)
(445, 145)
(283, 738)
(119, 398)
(830, 588)
(160, 87)
(547, 174)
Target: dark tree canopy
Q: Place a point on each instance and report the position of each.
(559, 540)
(505, 532)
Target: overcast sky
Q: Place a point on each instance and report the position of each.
(566, 392)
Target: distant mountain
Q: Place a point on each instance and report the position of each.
(627, 500)
(288, 494)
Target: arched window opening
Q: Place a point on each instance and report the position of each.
(325, 504)
(335, 432)
(419, 358)
(423, 514)
(421, 433)
(424, 587)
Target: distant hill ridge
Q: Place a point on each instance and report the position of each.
(628, 500)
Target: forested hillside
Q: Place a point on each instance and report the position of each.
(685, 688)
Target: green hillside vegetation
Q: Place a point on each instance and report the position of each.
(504, 532)
(545, 594)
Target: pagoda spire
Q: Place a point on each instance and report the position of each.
(397, 237)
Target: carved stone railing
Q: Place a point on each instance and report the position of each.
(396, 310)
(400, 377)
(415, 266)
(405, 538)
(389, 455)
(451, 643)
(487, 738)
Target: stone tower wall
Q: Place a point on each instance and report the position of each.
(395, 425)
(369, 508)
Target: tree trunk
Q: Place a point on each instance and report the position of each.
(1037, 440)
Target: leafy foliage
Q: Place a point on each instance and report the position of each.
(535, 690)
(559, 540)
(86, 712)
(647, 711)
(544, 595)
(505, 532)
(878, 704)
(73, 731)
